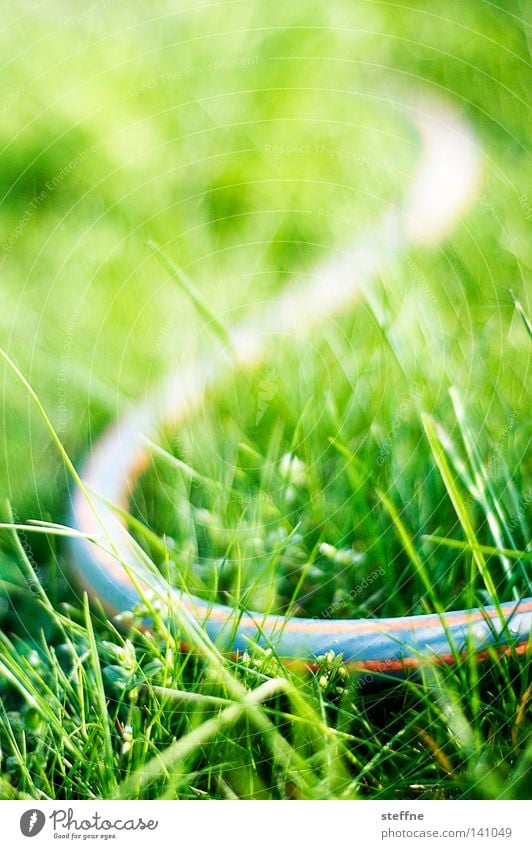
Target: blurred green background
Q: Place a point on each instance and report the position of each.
(248, 139)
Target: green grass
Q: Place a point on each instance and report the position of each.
(281, 497)
(387, 452)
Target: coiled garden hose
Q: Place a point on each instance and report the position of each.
(442, 186)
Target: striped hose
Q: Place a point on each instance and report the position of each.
(442, 186)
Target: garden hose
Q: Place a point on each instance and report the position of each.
(119, 575)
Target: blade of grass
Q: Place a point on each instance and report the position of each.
(192, 293)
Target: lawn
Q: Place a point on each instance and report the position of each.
(355, 472)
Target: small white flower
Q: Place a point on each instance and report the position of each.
(293, 469)
(341, 556)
